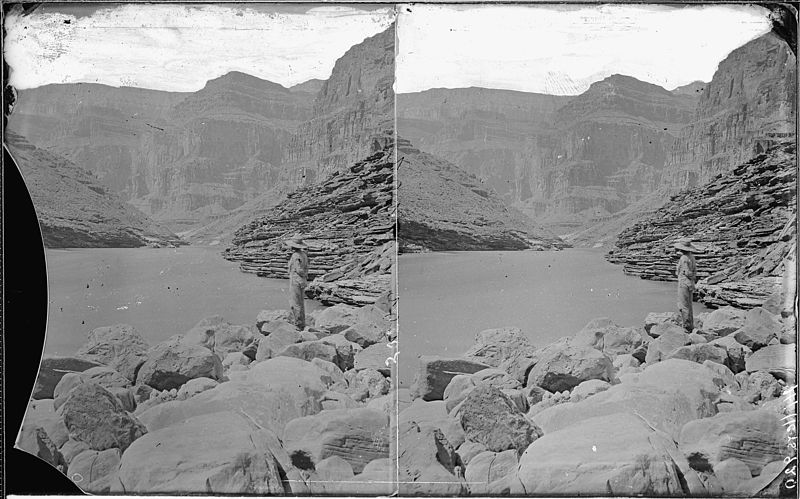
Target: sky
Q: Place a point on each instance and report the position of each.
(562, 49)
(178, 47)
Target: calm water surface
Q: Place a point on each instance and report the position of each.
(445, 298)
(161, 292)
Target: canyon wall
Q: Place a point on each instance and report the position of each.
(76, 211)
(750, 104)
(179, 157)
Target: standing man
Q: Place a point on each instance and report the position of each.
(298, 278)
(687, 273)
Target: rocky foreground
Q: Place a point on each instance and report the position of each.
(266, 409)
(346, 220)
(745, 222)
(259, 408)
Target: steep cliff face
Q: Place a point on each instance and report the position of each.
(749, 104)
(744, 220)
(74, 209)
(443, 208)
(353, 104)
(177, 157)
(345, 220)
(607, 151)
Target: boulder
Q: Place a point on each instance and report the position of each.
(697, 338)
(347, 350)
(724, 321)
(700, 353)
(235, 359)
(332, 476)
(615, 454)
(278, 339)
(52, 369)
(219, 453)
(725, 375)
(668, 342)
(434, 373)
(503, 346)
(119, 347)
(337, 318)
(384, 404)
(433, 415)
(104, 376)
(94, 471)
(736, 353)
(220, 336)
(760, 328)
(731, 474)
(761, 385)
(72, 448)
(378, 479)
(427, 463)
(337, 379)
(462, 384)
(271, 393)
(125, 397)
(488, 467)
(469, 450)
(372, 326)
(654, 318)
(778, 360)
(356, 435)
(753, 437)
(605, 335)
(171, 364)
(366, 384)
(587, 389)
(667, 394)
(266, 316)
(624, 361)
(308, 350)
(489, 417)
(660, 330)
(96, 417)
(334, 400)
(141, 393)
(34, 440)
(195, 386)
(375, 357)
(563, 366)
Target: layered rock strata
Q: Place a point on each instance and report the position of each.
(750, 103)
(443, 208)
(744, 220)
(74, 209)
(354, 103)
(343, 219)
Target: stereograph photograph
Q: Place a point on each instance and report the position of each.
(348, 249)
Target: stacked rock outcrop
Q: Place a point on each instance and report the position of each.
(443, 208)
(346, 220)
(75, 209)
(744, 221)
(287, 412)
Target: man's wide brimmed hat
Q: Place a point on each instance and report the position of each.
(296, 242)
(686, 245)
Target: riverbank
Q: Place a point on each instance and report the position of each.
(254, 408)
(446, 298)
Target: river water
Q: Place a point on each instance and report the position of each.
(160, 291)
(445, 298)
